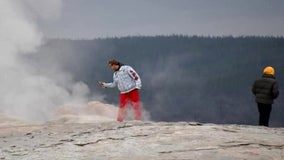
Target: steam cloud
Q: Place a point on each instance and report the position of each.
(24, 91)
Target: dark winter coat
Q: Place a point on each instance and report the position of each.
(265, 89)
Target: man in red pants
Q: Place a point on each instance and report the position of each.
(128, 82)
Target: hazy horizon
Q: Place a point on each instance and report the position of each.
(88, 19)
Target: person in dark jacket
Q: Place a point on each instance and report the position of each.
(265, 90)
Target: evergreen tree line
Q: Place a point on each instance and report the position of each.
(184, 78)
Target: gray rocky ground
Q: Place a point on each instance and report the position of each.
(140, 141)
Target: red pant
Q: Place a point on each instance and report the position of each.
(133, 98)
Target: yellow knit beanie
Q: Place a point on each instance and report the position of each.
(269, 70)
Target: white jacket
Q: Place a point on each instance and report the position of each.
(126, 79)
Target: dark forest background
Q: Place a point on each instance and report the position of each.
(184, 78)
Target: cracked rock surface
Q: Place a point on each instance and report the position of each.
(141, 141)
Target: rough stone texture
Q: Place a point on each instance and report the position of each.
(141, 141)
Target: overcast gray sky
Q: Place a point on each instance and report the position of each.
(107, 18)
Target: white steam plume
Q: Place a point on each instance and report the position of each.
(23, 92)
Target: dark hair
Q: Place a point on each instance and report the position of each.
(114, 62)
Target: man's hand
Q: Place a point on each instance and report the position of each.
(101, 84)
